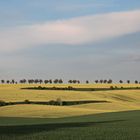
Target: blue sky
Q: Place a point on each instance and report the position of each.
(17, 12)
(79, 39)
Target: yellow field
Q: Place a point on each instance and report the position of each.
(120, 100)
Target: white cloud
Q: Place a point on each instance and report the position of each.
(76, 31)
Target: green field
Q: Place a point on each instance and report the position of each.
(116, 119)
(107, 126)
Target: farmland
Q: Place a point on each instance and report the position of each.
(107, 126)
(118, 115)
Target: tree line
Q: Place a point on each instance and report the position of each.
(60, 81)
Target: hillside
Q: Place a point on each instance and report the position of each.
(118, 100)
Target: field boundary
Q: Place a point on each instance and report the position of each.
(70, 88)
(58, 102)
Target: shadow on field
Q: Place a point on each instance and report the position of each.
(30, 129)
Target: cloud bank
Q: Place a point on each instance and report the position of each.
(76, 31)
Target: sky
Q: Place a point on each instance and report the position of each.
(75, 39)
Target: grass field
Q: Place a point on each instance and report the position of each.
(117, 119)
(107, 126)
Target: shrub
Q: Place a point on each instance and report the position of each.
(39, 87)
(52, 102)
(10, 103)
(57, 102)
(54, 88)
(2, 103)
(27, 102)
(70, 88)
(111, 87)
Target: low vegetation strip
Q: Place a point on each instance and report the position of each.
(58, 102)
(81, 89)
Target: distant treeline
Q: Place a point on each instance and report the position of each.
(60, 81)
(81, 89)
(57, 102)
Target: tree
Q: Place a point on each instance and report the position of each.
(36, 81)
(13, 81)
(50, 81)
(20, 81)
(74, 81)
(46, 81)
(121, 81)
(56, 81)
(78, 81)
(96, 81)
(60, 81)
(30, 81)
(70, 81)
(23, 81)
(40, 81)
(110, 81)
(7, 81)
(101, 81)
(2, 81)
(105, 81)
(128, 81)
(87, 82)
(136, 82)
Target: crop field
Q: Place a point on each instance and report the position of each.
(69, 70)
(117, 118)
(106, 126)
(118, 100)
